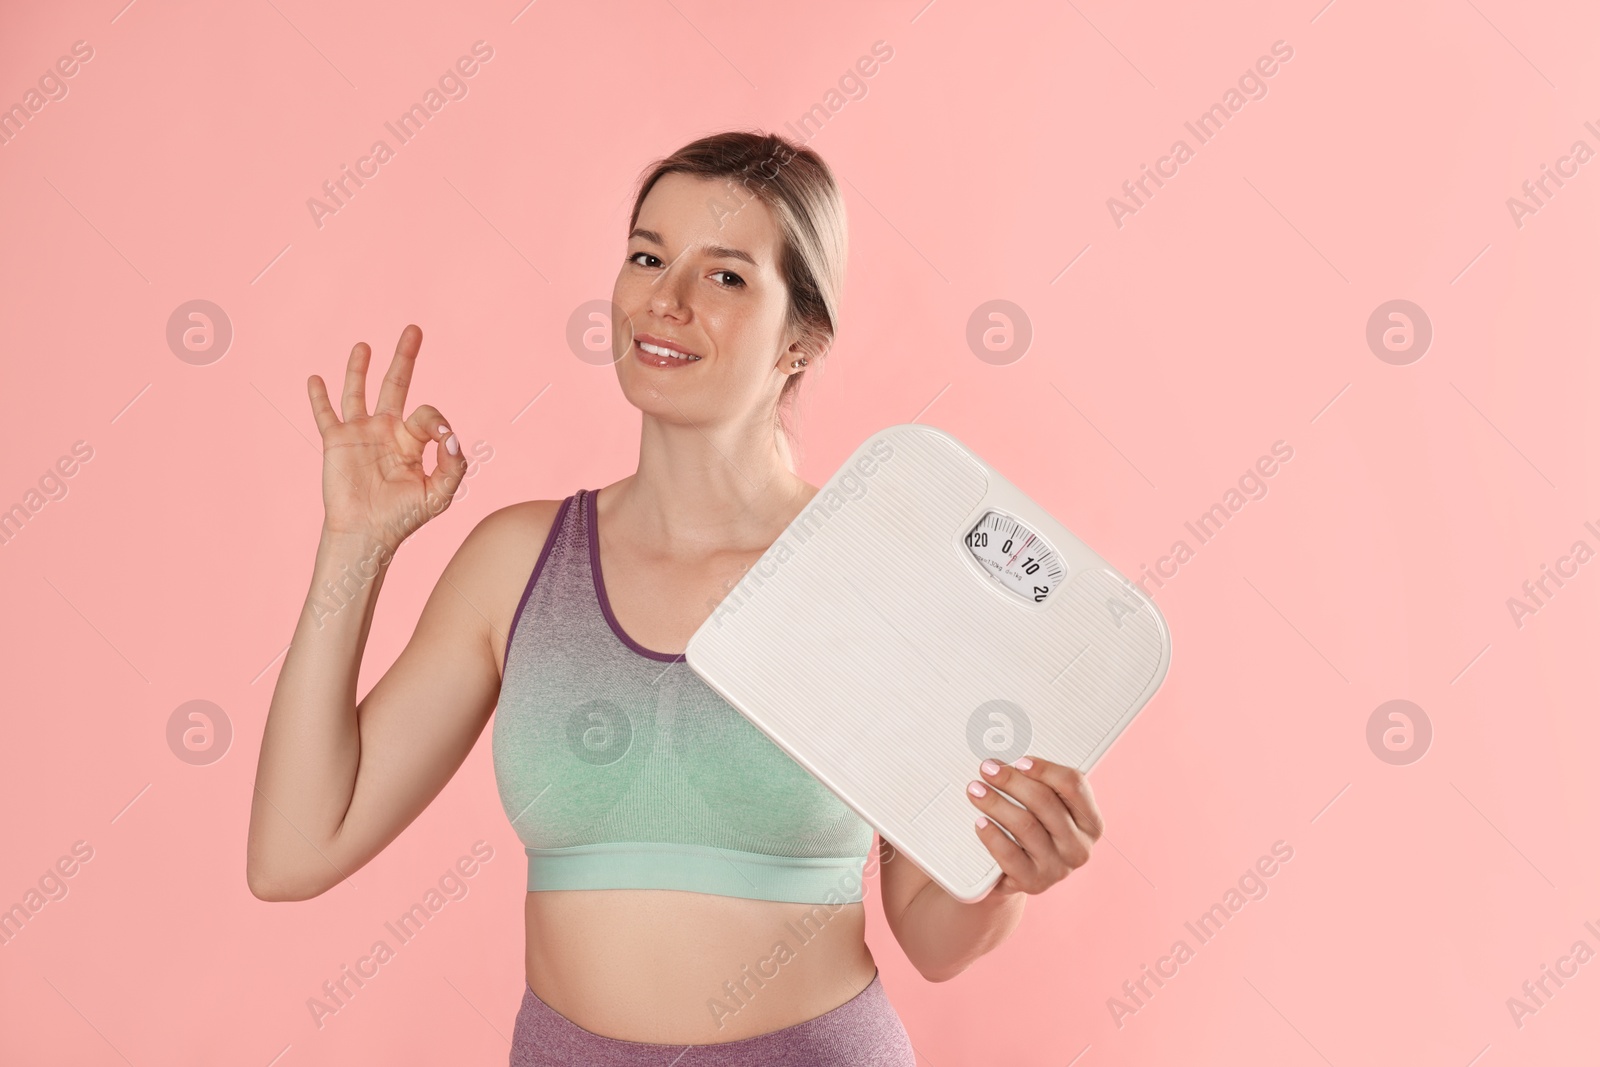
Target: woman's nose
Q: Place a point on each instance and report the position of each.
(667, 289)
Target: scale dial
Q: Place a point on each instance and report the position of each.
(1015, 556)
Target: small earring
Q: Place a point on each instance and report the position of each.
(801, 362)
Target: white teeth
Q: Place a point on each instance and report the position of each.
(657, 350)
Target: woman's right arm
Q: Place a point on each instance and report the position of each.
(336, 780)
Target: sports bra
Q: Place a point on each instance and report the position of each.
(619, 768)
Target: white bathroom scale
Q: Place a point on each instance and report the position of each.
(921, 615)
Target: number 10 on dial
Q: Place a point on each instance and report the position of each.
(1015, 556)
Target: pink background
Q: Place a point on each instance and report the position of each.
(1228, 313)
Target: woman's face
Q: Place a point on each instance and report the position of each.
(700, 275)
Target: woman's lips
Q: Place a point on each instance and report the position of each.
(662, 362)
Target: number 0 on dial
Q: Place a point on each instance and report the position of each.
(1015, 556)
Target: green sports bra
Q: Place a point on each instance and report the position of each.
(619, 768)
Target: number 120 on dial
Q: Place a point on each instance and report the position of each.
(1015, 556)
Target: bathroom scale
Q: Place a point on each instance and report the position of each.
(923, 614)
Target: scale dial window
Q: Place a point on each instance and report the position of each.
(1016, 557)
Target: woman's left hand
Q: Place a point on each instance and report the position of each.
(1054, 828)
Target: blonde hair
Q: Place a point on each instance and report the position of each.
(799, 189)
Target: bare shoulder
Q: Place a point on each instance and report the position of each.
(503, 531)
(493, 564)
(505, 544)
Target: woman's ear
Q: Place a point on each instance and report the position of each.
(810, 345)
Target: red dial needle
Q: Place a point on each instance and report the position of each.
(1018, 552)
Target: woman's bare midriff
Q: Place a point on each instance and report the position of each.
(669, 967)
(657, 965)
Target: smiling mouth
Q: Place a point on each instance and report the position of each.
(660, 352)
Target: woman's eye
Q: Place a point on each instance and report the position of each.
(737, 282)
(635, 257)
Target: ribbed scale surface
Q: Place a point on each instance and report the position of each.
(832, 602)
(619, 770)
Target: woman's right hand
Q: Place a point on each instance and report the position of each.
(373, 483)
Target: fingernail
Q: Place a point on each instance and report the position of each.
(990, 767)
(444, 429)
(977, 789)
(1023, 764)
(981, 822)
(451, 445)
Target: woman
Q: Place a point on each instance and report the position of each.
(684, 873)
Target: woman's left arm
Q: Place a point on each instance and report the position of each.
(1055, 826)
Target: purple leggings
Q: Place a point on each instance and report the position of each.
(864, 1031)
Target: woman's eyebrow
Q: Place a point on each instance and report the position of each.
(715, 251)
